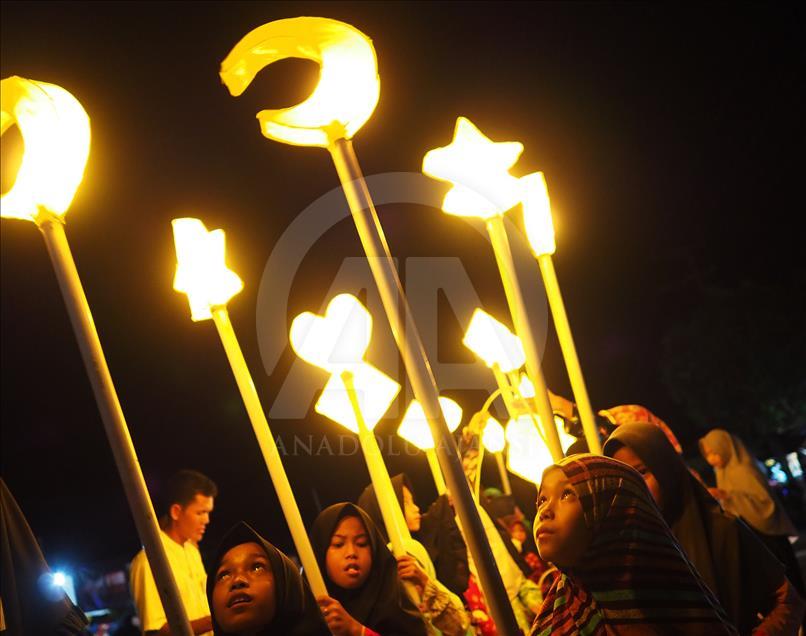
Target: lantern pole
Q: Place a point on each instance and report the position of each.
(268, 448)
(569, 350)
(117, 432)
(523, 328)
(422, 379)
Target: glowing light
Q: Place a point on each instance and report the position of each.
(526, 388)
(348, 88)
(414, 426)
(493, 342)
(201, 272)
(59, 579)
(478, 168)
(337, 342)
(55, 129)
(375, 391)
(528, 455)
(537, 214)
(566, 439)
(493, 436)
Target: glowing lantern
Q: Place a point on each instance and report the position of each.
(337, 342)
(493, 342)
(483, 187)
(415, 430)
(493, 436)
(344, 99)
(55, 129)
(540, 232)
(479, 171)
(414, 426)
(537, 214)
(348, 87)
(200, 271)
(494, 440)
(528, 455)
(202, 274)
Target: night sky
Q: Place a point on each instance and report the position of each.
(672, 141)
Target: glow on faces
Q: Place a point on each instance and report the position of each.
(478, 168)
(560, 533)
(414, 427)
(201, 270)
(348, 560)
(348, 88)
(244, 598)
(55, 130)
(337, 342)
(491, 341)
(493, 436)
(537, 214)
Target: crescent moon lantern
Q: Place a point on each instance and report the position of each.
(55, 129)
(348, 87)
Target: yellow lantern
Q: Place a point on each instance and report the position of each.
(493, 342)
(348, 88)
(337, 343)
(483, 187)
(537, 214)
(493, 436)
(201, 272)
(55, 129)
(414, 426)
(528, 455)
(415, 430)
(478, 168)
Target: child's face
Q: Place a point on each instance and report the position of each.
(561, 534)
(411, 511)
(627, 455)
(349, 556)
(244, 597)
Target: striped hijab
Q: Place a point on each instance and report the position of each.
(633, 578)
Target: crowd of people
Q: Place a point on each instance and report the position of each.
(628, 542)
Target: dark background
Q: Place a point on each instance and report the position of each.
(672, 140)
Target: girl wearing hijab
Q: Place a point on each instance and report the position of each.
(255, 589)
(442, 609)
(743, 490)
(366, 596)
(736, 566)
(621, 570)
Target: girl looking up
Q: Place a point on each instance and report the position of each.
(621, 570)
(256, 590)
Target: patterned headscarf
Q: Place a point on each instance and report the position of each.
(633, 577)
(634, 414)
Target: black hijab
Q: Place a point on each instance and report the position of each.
(719, 545)
(380, 603)
(31, 604)
(438, 533)
(297, 612)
